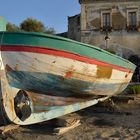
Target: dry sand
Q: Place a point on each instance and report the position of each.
(97, 123)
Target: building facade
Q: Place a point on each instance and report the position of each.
(108, 24)
(74, 27)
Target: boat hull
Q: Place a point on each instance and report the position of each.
(45, 77)
(61, 76)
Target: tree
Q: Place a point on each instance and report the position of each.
(32, 25)
(50, 31)
(136, 60)
(12, 27)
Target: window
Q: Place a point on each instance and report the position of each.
(106, 20)
(132, 19)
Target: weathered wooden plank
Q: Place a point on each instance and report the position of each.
(68, 127)
(7, 128)
(121, 98)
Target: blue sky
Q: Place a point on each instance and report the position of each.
(53, 13)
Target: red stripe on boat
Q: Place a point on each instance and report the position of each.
(61, 53)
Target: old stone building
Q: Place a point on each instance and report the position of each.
(74, 28)
(108, 24)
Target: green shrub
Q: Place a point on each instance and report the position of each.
(135, 89)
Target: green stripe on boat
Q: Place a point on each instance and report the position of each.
(60, 43)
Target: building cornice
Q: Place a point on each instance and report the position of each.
(96, 1)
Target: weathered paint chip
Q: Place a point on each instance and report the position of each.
(104, 72)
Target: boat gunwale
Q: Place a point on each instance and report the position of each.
(68, 40)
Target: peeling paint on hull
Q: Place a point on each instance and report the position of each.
(50, 84)
(42, 107)
(57, 75)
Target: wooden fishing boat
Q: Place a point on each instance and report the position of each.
(46, 73)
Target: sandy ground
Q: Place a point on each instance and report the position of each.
(97, 123)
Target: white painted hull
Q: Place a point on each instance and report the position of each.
(67, 69)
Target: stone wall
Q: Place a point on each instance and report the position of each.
(74, 31)
(122, 39)
(123, 43)
(91, 14)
